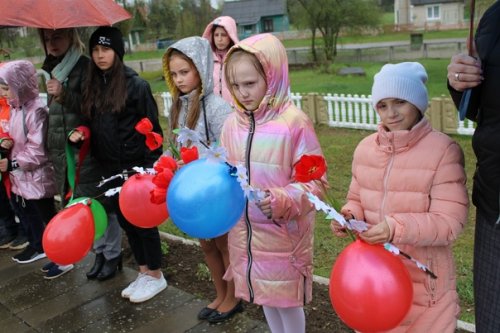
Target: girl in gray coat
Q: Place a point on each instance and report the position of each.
(188, 70)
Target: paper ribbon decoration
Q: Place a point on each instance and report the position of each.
(153, 140)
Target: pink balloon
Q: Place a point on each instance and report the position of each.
(370, 288)
(69, 235)
(135, 202)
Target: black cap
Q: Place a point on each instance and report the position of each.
(110, 37)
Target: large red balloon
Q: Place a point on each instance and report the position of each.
(69, 235)
(135, 202)
(370, 288)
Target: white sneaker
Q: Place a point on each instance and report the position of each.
(148, 288)
(127, 292)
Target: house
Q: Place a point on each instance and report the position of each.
(257, 16)
(429, 14)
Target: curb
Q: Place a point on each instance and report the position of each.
(316, 278)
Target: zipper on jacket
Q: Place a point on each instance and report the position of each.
(251, 131)
(220, 79)
(386, 178)
(431, 282)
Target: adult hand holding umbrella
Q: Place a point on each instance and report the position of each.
(465, 101)
(50, 14)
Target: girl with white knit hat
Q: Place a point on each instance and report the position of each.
(408, 184)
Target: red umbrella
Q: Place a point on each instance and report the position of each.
(55, 14)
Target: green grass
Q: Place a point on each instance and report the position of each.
(316, 80)
(140, 55)
(338, 146)
(385, 37)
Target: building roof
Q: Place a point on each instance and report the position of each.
(431, 2)
(247, 12)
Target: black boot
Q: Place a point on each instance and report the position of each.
(110, 267)
(96, 269)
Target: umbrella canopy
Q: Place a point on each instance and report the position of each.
(56, 14)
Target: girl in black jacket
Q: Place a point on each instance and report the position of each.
(115, 99)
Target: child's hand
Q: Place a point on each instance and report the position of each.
(4, 164)
(76, 136)
(379, 233)
(7, 144)
(265, 205)
(337, 229)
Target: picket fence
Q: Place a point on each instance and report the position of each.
(346, 111)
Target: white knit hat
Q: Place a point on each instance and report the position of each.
(404, 81)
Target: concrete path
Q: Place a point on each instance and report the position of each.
(71, 303)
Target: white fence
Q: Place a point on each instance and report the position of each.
(351, 111)
(465, 127)
(348, 111)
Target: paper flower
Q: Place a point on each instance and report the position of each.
(185, 136)
(189, 154)
(310, 167)
(216, 154)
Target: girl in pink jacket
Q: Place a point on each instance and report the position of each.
(222, 33)
(271, 246)
(31, 173)
(408, 184)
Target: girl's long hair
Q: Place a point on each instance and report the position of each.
(194, 103)
(106, 91)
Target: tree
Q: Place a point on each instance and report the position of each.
(481, 6)
(331, 17)
(162, 18)
(194, 17)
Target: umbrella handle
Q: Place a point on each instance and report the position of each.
(471, 28)
(41, 72)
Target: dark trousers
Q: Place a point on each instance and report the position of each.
(34, 215)
(8, 225)
(486, 275)
(144, 242)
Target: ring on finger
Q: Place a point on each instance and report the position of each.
(457, 76)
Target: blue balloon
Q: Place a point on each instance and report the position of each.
(204, 200)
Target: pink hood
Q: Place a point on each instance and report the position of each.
(228, 23)
(34, 179)
(271, 259)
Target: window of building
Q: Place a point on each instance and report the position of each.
(268, 25)
(433, 12)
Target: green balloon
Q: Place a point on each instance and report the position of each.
(99, 214)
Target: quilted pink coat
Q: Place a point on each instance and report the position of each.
(271, 260)
(228, 23)
(416, 181)
(34, 179)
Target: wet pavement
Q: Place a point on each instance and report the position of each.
(71, 303)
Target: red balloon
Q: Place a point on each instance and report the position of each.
(370, 288)
(69, 236)
(135, 202)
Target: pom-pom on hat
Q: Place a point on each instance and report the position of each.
(109, 37)
(404, 81)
